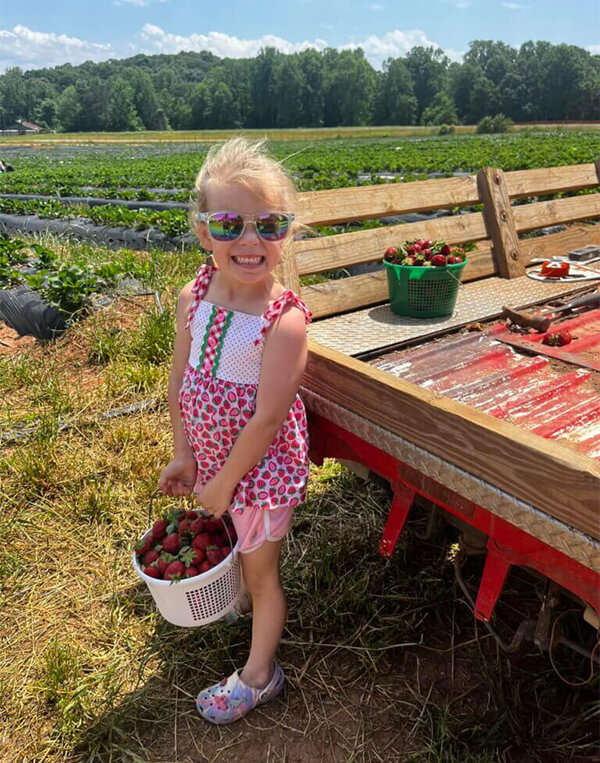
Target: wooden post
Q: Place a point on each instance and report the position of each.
(287, 270)
(500, 222)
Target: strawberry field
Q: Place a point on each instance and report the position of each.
(384, 659)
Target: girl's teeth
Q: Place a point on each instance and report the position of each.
(248, 260)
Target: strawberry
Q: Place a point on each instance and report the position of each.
(211, 526)
(213, 555)
(427, 253)
(159, 528)
(184, 527)
(438, 260)
(152, 572)
(144, 545)
(174, 571)
(191, 572)
(204, 567)
(226, 550)
(426, 243)
(453, 259)
(201, 541)
(172, 543)
(198, 557)
(558, 338)
(390, 251)
(150, 556)
(197, 526)
(420, 260)
(163, 562)
(191, 515)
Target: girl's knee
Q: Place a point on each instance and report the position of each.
(262, 583)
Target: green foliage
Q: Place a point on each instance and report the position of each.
(446, 130)
(154, 341)
(539, 81)
(497, 123)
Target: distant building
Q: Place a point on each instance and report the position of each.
(21, 127)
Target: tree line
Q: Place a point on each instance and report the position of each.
(537, 82)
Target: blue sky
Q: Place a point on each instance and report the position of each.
(39, 33)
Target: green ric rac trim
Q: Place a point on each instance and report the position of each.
(220, 345)
(211, 320)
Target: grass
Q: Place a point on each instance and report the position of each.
(383, 657)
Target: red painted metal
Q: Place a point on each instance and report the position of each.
(402, 502)
(507, 544)
(584, 350)
(529, 391)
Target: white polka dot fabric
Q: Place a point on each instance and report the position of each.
(240, 357)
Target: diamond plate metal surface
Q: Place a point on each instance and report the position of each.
(377, 327)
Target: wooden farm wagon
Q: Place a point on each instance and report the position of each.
(498, 461)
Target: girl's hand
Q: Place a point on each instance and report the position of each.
(215, 496)
(179, 476)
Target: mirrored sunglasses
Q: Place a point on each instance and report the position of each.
(228, 226)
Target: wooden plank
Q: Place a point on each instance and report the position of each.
(358, 203)
(317, 255)
(559, 244)
(374, 201)
(540, 472)
(345, 294)
(497, 213)
(287, 270)
(549, 180)
(542, 214)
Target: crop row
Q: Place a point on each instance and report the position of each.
(316, 165)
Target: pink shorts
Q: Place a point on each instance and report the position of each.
(256, 525)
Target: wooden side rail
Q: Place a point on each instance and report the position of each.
(349, 204)
(495, 230)
(540, 472)
(336, 296)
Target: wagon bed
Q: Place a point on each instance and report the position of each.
(533, 495)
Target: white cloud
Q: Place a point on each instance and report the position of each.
(515, 6)
(377, 7)
(459, 3)
(396, 44)
(31, 50)
(157, 40)
(594, 49)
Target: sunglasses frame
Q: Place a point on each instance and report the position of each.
(204, 217)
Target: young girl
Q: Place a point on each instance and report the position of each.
(239, 426)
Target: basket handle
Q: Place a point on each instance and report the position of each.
(205, 515)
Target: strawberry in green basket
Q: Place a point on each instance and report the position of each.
(438, 260)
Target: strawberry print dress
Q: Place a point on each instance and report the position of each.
(217, 398)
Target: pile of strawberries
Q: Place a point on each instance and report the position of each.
(184, 544)
(424, 253)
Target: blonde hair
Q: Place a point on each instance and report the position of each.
(244, 163)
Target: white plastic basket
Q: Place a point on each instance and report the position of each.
(192, 602)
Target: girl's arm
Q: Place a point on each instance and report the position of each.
(181, 353)
(179, 476)
(283, 362)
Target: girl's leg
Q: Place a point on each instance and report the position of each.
(269, 611)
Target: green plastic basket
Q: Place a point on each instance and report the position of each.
(423, 292)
